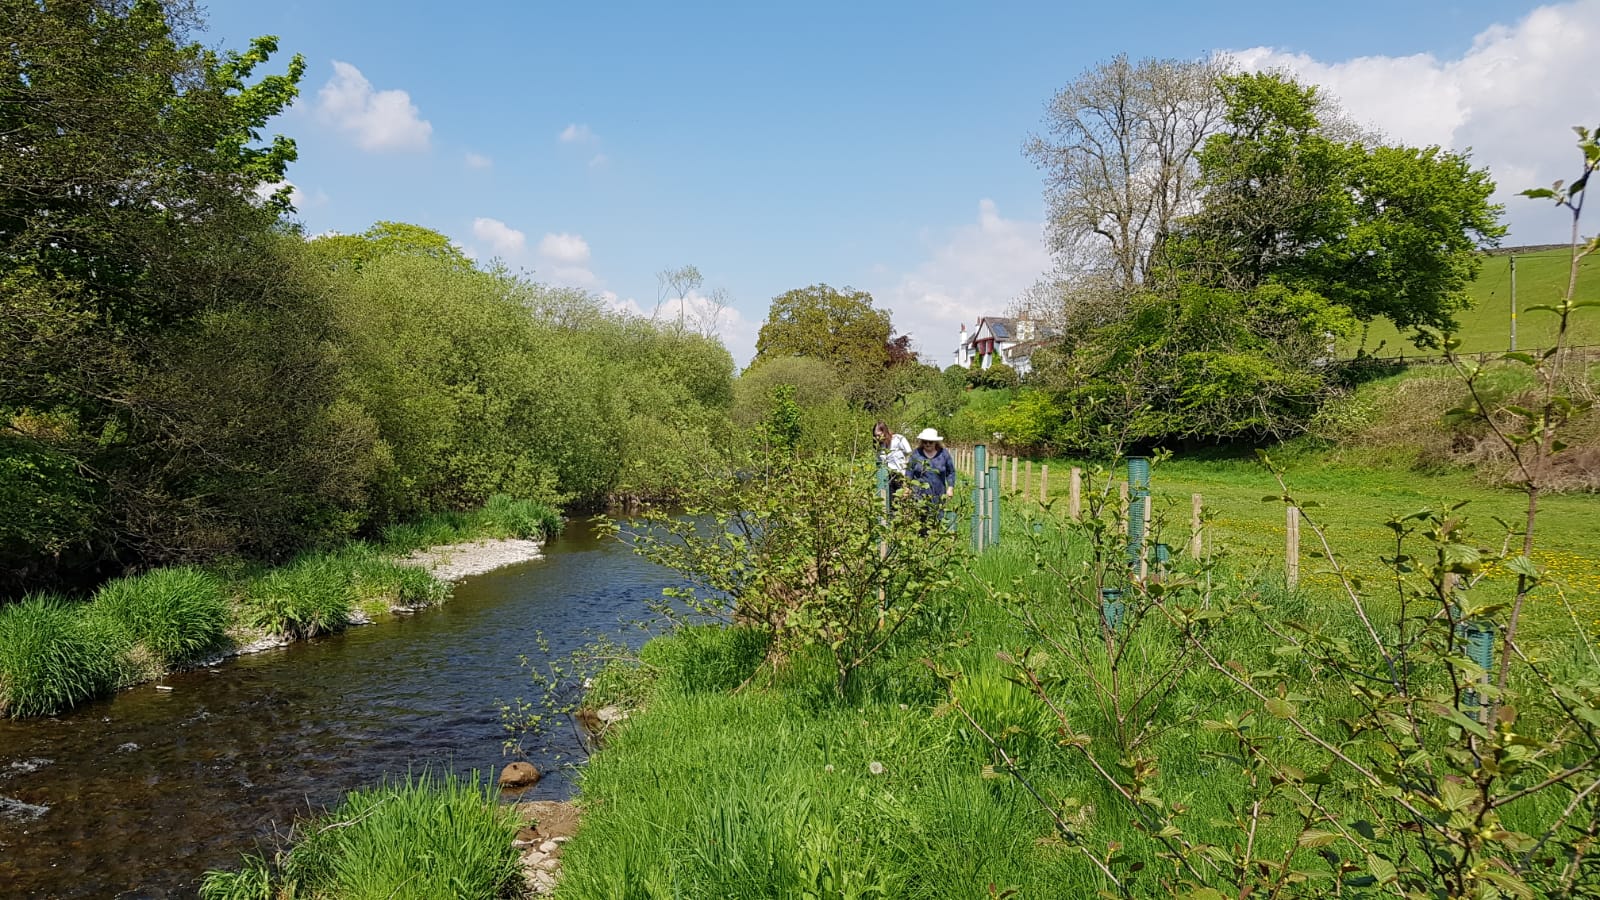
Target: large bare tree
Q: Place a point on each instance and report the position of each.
(1119, 159)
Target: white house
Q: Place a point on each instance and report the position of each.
(1008, 340)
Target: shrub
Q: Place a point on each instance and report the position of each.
(423, 838)
(52, 657)
(310, 596)
(175, 613)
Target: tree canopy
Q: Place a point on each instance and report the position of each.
(1381, 230)
(839, 327)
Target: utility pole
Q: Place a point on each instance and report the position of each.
(1513, 303)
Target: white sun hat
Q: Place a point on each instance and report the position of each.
(930, 434)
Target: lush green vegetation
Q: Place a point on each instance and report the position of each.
(744, 774)
(422, 838)
(53, 656)
(185, 378)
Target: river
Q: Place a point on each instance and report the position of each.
(139, 794)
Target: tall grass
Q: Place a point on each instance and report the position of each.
(310, 596)
(501, 517)
(175, 613)
(53, 657)
(424, 838)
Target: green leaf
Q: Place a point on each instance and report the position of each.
(1281, 709)
(1539, 193)
(1381, 868)
(1316, 837)
(1523, 566)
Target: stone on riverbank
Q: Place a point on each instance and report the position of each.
(519, 775)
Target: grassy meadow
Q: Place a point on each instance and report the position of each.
(1354, 503)
(1486, 327)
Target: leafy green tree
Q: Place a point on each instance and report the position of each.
(840, 328)
(1204, 364)
(130, 226)
(388, 239)
(1381, 230)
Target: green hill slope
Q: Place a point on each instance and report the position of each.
(1541, 278)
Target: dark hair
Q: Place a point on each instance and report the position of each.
(881, 428)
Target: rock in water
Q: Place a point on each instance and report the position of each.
(519, 775)
(17, 811)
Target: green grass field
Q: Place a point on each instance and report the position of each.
(1355, 502)
(1486, 327)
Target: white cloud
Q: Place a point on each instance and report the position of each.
(266, 189)
(576, 134)
(1511, 98)
(379, 120)
(478, 161)
(567, 249)
(504, 240)
(566, 260)
(977, 271)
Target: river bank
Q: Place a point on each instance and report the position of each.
(449, 563)
(234, 759)
(56, 653)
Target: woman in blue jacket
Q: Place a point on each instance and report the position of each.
(932, 474)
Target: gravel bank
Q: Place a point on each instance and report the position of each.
(453, 562)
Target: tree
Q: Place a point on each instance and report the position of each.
(840, 328)
(388, 239)
(1381, 230)
(1118, 156)
(131, 227)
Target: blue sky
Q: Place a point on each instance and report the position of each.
(871, 145)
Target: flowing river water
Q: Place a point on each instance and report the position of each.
(139, 794)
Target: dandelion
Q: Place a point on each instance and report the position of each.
(875, 767)
(828, 767)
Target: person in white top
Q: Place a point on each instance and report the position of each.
(894, 451)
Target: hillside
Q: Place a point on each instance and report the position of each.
(1541, 278)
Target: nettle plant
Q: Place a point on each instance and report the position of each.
(1404, 736)
(801, 548)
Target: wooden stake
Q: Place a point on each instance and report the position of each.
(1027, 477)
(1044, 483)
(1122, 495)
(1144, 554)
(1013, 474)
(1195, 546)
(1291, 561)
(1075, 494)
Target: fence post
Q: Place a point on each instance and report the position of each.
(1013, 474)
(1291, 560)
(1027, 477)
(1145, 540)
(1195, 547)
(1044, 482)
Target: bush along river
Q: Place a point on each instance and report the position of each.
(137, 795)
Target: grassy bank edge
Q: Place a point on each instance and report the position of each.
(57, 653)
